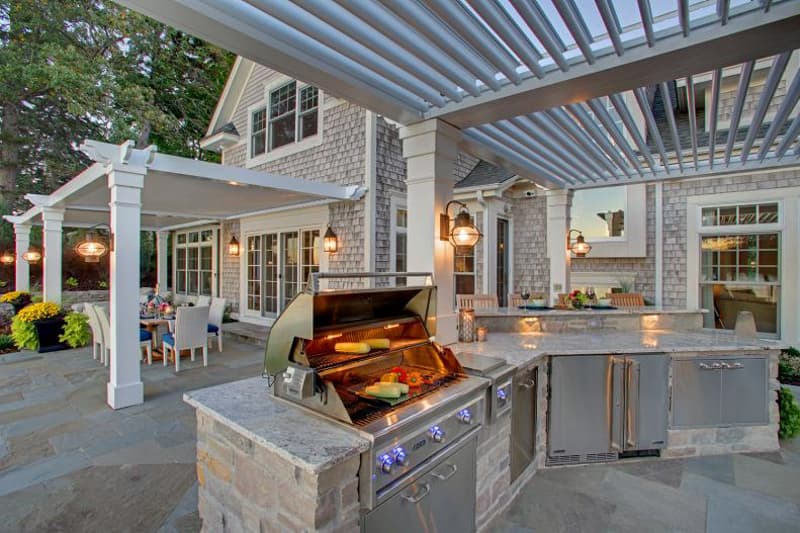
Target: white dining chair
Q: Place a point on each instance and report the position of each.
(203, 301)
(190, 332)
(215, 314)
(98, 341)
(145, 337)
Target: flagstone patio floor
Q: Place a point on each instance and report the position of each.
(69, 463)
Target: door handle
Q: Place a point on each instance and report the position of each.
(445, 477)
(734, 366)
(529, 384)
(426, 488)
(630, 405)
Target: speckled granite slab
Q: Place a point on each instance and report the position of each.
(583, 313)
(522, 349)
(307, 441)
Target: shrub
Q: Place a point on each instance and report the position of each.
(7, 343)
(24, 334)
(789, 366)
(71, 283)
(76, 330)
(790, 414)
(16, 298)
(102, 284)
(39, 311)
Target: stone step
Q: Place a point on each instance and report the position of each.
(248, 333)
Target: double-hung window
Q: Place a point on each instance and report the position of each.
(399, 243)
(290, 116)
(194, 262)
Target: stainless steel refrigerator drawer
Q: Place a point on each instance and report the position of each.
(441, 499)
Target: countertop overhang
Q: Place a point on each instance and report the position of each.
(624, 311)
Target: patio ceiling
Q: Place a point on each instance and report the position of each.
(179, 191)
(522, 80)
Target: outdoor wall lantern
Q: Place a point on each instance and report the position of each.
(233, 247)
(330, 242)
(32, 255)
(463, 233)
(91, 248)
(579, 246)
(7, 258)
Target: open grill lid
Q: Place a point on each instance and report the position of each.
(315, 312)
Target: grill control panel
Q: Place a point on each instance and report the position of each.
(400, 456)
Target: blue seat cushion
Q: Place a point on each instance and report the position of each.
(168, 338)
(212, 328)
(144, 335)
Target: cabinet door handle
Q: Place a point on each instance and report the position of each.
(529, 384)
(445, 477)
(734, 366)
(426, 488)
(704, 366)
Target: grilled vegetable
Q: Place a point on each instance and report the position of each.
(383, 392)
(401, 374)
(389, 377)
(378, 344)
(414, 379)
(352, 347)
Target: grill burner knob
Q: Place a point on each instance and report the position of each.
(400, 457)
(436, 433)
(501, 395)
(385, 462)
(465, 416)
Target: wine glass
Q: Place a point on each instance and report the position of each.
(525, 294)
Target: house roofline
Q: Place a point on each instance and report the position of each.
(231, 94)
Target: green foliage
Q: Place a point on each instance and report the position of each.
(71, 283)
(37, 299)
(76, 330)
(7, 343)
(24, 334)
(789, 366)
(102, 284)
(790, 414)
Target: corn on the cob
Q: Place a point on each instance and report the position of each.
(378, 344)
(352, 347)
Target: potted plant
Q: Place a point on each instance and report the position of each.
(18, 299)
(38, 327)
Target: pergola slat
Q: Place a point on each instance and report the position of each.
(605, 119)
(773, 79)
(611, 23)
(599, 137)
(540, 27)
(647, 22)
(477, 35)
(691, 105)
(673, 127)
(790, 100)
(530, 129)
(545, 123)
(630, 124)
(500, 22)
(565, 122)
(644, 105)
(723, 10)
(716, 81)
(576, 26)
(738, 106)
(788, 138)
(683, 16)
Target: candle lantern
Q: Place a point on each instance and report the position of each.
(466, 325)
(482, 333)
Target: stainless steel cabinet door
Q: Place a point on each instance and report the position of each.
(441, 500)
(580, 405)
(744, 390)
(696, 392)
(523, 421)
(646, 401)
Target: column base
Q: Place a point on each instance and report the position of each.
(446, 329)
(121, 396)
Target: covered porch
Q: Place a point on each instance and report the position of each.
(128, 190)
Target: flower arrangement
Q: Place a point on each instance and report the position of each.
(578, 299)
(39, 311)
(165, 308)
(16, 298)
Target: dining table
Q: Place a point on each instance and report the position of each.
(152, 324)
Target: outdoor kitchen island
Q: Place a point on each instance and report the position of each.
(265, 464)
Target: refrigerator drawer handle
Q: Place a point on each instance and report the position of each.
(736, 365)
(445, 477)
(704, 366)
(529, 384)
(426, 488)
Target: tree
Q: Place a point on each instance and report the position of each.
(76, 69)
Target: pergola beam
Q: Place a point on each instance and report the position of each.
(749, 35)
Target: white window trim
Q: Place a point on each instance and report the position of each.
(634, 242)
(287, 149)
(396, 202)
(310, 218)
(185, 297)
(788, 200)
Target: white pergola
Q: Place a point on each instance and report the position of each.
(518, 83)
(132, 190)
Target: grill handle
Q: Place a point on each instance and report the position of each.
(313, 278)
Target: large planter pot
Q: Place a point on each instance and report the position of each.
(48, 331)
(18, 306)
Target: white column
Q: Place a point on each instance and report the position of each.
(558, 222)
(52, 237)
(161, 260)
(22, 272)
(125, 386)
(430, 149)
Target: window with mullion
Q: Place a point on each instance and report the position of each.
(258, 138)
(282, 115)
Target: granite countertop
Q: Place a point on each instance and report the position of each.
(302, 438)
(522, 349)
(646, 310)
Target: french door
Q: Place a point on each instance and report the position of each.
(278, 265)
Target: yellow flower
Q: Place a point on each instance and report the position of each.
(12, 296)
(39, 311)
